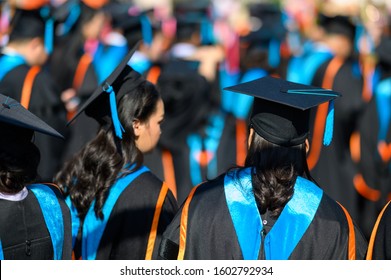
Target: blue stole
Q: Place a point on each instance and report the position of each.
(52, 214)
(106, 58)
(289, 228)
(383, 99)
(93, 227)
(1, 251)
(214, 131)
(9, 62)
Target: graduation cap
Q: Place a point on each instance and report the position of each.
(131, 20)
(33, 23)
(102, 104)
(193, 15)
(17, 124)
(281, 109)
(338, 24)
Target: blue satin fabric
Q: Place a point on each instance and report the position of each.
(289, 228)
(9, 62)
(1, 251)
(52, 214)
(94, 227)
(213, 132)
(383, 101)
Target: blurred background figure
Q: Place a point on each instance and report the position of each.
(373, 177)
(24, 77)
(198, 139)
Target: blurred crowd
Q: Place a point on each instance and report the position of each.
(192, 50)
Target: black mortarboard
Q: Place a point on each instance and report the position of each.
(102, 104)
(338, 24)
(17, 124)
(281, 109)
(33, 23)
(131, 20)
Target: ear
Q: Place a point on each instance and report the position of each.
(137, 127)
(35, 42)
(307, 145)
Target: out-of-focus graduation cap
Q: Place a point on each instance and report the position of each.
(191, 15)
(338, 24)
(281, 109)
(267, 30)
(102, 104)
(30, 23)
(17, 124)
(131, 20)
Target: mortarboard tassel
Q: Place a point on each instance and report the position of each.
(118, 128)
(274, 53)
(146, 29)
(328, 131)
(49, 28)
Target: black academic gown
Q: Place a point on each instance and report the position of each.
(334, 170)
(64, 64)
(380, 249)
(24, 234)
(45, 103)
(211, 234)
(373, 178)
(226, 156)
(127, 231)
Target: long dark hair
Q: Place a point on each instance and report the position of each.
(18, 165)
(276, 170)
(91, 172)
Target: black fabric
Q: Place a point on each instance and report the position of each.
(46, 104)
(226, 157)
(127, 230)
(382, 242)
(23, 232)
(335, 168)
(211, 235)
(185, 94)
(168, 250)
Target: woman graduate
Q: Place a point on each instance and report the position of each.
(270, 208)
(35, 222)
(119, 208)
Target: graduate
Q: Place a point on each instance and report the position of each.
(331, 164)
(270, 208)
(35, 221)
(24, 78)
(119, 207)
(379, 247)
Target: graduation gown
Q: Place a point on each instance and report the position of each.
(182, 164)
(334, 169)
(45, 103)
(216, 230)
(373, 177)
(128, 232)
(380, 243)
(26, 232)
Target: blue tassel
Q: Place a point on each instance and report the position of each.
(118, 128)
(49, 29)
(274, 53)
(146, 29)
(328, 132)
